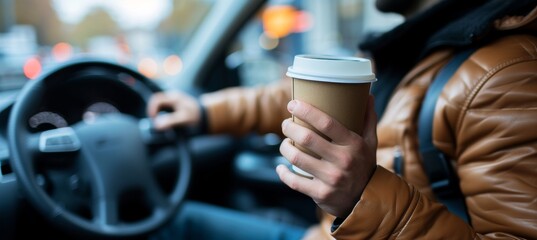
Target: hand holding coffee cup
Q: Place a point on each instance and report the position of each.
(338, 86)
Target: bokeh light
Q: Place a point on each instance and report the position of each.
(173, 65)
(279, 21)
(148, 67)
(62, 51)
(304, 22)
(32, 68)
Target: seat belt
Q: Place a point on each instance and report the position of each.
(442, 177)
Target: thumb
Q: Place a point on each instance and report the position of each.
(164, 121)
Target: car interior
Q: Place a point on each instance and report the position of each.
(80, 158)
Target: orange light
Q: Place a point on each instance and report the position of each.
(279, 21)
(62, 51)
(148, 67)
(32, 68)
(173, 65)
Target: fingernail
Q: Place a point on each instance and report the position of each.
(291, 105)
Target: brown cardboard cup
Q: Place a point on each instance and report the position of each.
(338, 86)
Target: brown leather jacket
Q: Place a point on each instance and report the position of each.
(485, 120)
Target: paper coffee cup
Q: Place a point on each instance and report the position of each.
(338, 86)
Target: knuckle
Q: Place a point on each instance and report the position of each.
(324, 194)
(358, 143)
(327, 124)
(294, 158)
(307, 139)
(304, 112)
(293, 184)
(335, 178)
(346, 160)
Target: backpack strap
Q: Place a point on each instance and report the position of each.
(442, 177)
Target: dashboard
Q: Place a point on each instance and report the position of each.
(82, 100)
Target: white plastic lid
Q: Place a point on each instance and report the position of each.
(332, 69)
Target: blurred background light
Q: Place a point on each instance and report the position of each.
(279, 20)
(32, 68)
(173, 65)
(62, 51)
(268, 43)
(148, 67)
(303, 21)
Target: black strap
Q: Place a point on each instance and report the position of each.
(443, 179)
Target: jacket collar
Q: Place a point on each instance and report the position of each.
(478, 26)
(451, 23)
(447, 25)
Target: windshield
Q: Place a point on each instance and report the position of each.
(148, 35)
(152, 36)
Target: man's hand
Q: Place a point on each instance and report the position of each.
(347, 162)
(185, 109)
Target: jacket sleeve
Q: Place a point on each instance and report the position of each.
(240, 110)
(390, 208)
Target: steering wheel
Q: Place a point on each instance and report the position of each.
(81, 176)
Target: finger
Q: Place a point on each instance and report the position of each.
(301, 159)
(153, 104)
(370, 125)
(301, 184)
(321, 121)
(178, 118)
(303, 136)
(163, 100)
(165, 121)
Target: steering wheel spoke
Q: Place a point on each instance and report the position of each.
(156, 196)
(106, 212)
